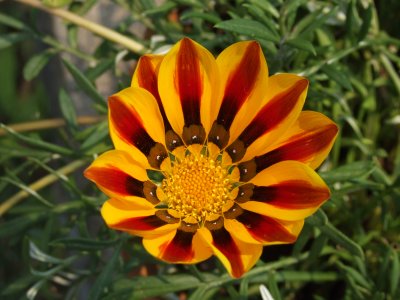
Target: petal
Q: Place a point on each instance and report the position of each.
(136, 125)
(244, 76)
(118, 175)
(309, 141)
(188, 85)
(145, 76)
(286, 96)
(237, 257)
(255, 228)
(288, 190)
(179, 246)
(128, 216)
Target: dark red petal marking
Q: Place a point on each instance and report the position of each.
(189, 82)
(179, 249)
(291, 194)
(273, 113)
(224, 242)
(129, 126)
(239, 85)
(147, 79)
(265, 229)
(116, 181)
(300, 147)
(140, 223)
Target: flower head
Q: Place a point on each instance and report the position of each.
(212, 157)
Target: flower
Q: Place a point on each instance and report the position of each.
(212, 157)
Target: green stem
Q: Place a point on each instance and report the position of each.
(89, 25)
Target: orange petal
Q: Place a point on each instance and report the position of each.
(244, 75)
(255, 228)
(178, 246)
(128, 216)
(288, 190)
(136, 125)
(188, 85)
(146, 76)
(237, 257)
(118, 175)
(286, 95)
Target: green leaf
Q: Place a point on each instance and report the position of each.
(67, 109)
(83, 244)
(394, 273)
(36, 63)
(84, 83)
(163, 8)
(209, 17)
(343, 240)
(349, 171)
(15, 226)
(337, 76)
(302, 44)
(12, 22)
(366, 22)
(153, 286)
(266, 6)
(247, 27)
(37, 142)
(104, 277)
(7, 40)
(39, 255)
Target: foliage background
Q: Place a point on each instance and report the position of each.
(54, 85)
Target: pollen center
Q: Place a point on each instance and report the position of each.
(197, 188)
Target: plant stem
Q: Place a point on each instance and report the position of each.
(50, 123)
(39, 184)
(89, 25)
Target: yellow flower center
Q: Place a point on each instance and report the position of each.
(197, 188)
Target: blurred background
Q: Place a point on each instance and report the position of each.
(56, 75)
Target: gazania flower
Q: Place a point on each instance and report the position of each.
(212, 157)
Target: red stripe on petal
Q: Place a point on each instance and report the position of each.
(274, 112)
(179, 249)
(140, 223)
(265, 229)
(240, 85)
(129, 125)
(189, 82)
(147, 79)
(224, 242)
(291, 194)
(299, 148)
(116, 181)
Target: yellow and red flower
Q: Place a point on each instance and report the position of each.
(212, 157)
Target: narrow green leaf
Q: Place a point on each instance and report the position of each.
(209, 17)
(15, 226)
(247, 27)
(337, 76)
(343, 240)
(36, 63)
(267, 7)
(35, 142)
(204, 292)
(83, 244)
(39, 255)
(349, 171)
(67, 109)
(366, 22)
(302, 44)
(84, 83)
(394, 273)
(7, 40)
(20, 284)
(12, 22)
(162, 9)
(105, 276)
